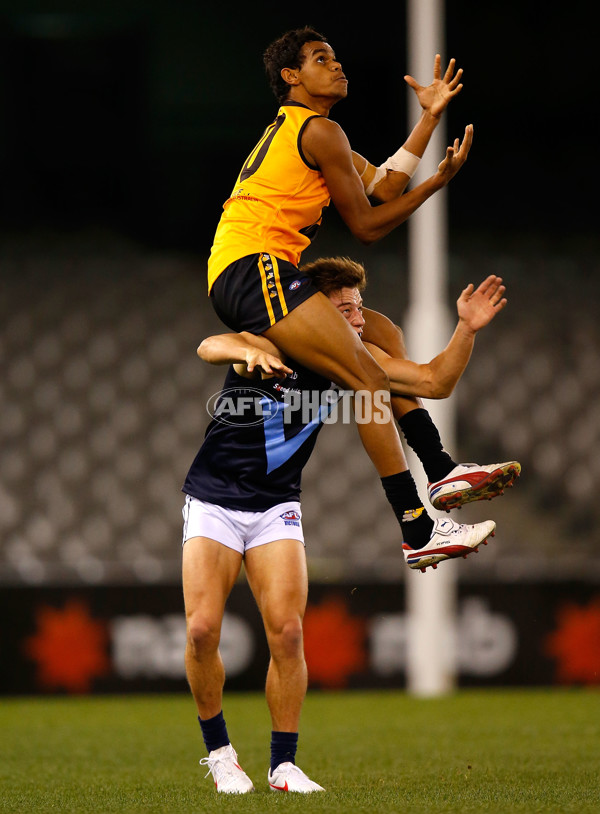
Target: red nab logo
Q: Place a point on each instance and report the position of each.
(291, 518)
(296, 284)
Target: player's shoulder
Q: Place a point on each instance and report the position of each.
(321, 124)
(321, 136)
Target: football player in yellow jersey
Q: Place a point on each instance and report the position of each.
(254, 280)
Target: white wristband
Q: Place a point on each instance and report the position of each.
(402, 161)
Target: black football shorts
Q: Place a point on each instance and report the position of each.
(255, 292)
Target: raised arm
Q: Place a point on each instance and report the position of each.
(251, 355)
(391, 178)
(438, 378)
(325, 144)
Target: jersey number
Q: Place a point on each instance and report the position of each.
(257, 156)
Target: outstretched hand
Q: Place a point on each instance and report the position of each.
(261, 361)
(478, 306)
(436, 96)
(456, 155)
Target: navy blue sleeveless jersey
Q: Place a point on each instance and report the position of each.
(260, 438)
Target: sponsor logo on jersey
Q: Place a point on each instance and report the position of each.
(296, 284)
(240, 195)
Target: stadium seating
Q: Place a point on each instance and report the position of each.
(103, 405)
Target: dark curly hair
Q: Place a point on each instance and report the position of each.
(285, 53)
(333, 273)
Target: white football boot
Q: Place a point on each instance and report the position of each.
(469, 482)
(227, 773)
(448, 540)
(288, 777)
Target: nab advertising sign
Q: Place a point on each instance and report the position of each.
(132, 639)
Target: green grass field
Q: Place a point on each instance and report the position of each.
(493, 751)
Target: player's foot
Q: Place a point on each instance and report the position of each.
(227, 773)
(288, 777)
(469, 482)
(448, 540)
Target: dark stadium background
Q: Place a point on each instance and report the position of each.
(139, 117)
(122, 128)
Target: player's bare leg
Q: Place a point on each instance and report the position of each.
(277, 576)
(209, 573)
(381, 331)
(450, 484)
(318, 336)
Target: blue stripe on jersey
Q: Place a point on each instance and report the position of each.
(280, 449)
(251, 466)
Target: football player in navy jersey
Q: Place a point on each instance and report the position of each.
(242, 504)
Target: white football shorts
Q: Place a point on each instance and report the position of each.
(241, 530)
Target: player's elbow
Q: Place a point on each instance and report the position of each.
(366, 223)
(440, 388)
(441, 393)
(435, 384)
(205, 349)
(364, 230)
(366, 236)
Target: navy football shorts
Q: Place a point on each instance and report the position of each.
(255, 292)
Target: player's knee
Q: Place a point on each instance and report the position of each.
(286, 640)
(202, 636)
(382, 380)
(375, 378)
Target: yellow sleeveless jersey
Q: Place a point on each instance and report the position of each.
(277, 202)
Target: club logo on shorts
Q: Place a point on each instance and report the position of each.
(293, 286)
(291, 518)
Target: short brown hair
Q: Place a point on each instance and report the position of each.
(332, 273)
(285, 53)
